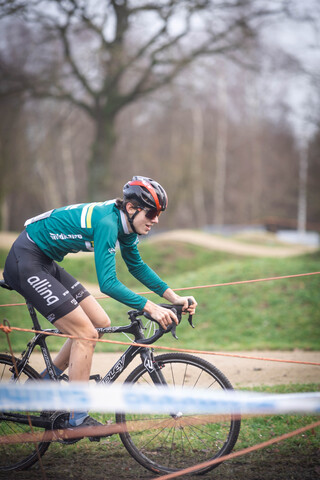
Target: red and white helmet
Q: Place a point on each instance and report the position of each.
(147, 192)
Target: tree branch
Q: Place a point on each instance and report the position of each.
(71, 61)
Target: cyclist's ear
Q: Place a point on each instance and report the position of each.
(130, 208)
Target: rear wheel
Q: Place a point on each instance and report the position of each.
(169, 443)
(18, 456)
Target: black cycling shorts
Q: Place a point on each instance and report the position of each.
(43, 283)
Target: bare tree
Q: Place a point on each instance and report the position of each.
(196, 168)
(302, 198)
(102, 56)
(221, 150)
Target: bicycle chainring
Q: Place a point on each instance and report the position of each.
(60, 421)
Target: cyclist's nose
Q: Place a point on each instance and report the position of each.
(155, 219)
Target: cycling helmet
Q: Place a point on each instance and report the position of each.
(147, 192)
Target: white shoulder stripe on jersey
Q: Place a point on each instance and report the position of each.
(38, 217)
(84, 214)
(90, 206)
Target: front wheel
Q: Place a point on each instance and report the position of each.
(174, 442)
(18, 456)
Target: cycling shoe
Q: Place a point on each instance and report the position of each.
(88, 422)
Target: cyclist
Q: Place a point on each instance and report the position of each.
(31, 270)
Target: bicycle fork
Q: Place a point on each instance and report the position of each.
(152, 367)
(156, 375)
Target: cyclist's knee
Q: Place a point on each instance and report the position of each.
(95, 312)
(88, 332)
(107, 321)
(77, 324)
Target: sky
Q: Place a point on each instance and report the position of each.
(301, 41)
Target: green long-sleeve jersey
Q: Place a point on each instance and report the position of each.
(96, 227)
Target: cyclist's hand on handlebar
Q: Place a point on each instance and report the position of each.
(189, 304)
(162, 315)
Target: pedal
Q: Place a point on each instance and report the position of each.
(59, 422)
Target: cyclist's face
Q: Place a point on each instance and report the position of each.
(141, 222)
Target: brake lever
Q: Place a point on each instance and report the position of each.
(190, 321)
(190, 316)
(172, 328)
(173, 331)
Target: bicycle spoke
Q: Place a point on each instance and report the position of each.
(172, 446)
(172, 376)
(185, 375)
(197, 431)
(196, 382)
(150, 440)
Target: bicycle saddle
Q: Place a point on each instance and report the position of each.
(3, 284)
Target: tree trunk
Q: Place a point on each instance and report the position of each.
(99, 181)
(4, 214)
(221, 152)
(256, 156)
(302, 199)
(68, 166)
(196, 167)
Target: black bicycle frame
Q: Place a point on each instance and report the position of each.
(38, 339)
(41, 421)
(132, 351)
(135, 328)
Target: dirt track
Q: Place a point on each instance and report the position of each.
(214, 242)
(240, 371)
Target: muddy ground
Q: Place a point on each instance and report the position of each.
(108, 460)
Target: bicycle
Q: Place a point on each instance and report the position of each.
(181, 441)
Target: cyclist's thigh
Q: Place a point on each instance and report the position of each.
(76, 289)
(49, 296)
(95, 312)
(88, 303)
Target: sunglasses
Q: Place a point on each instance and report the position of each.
(151, 213)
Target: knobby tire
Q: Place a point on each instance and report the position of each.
(180, 441)
(18, 456)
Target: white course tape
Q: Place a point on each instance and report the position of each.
(123, 398)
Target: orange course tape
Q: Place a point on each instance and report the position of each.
(241, 282)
